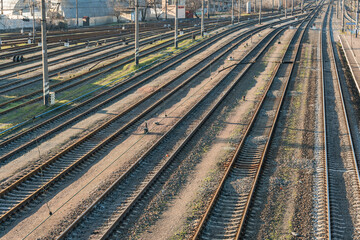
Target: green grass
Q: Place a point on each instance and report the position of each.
(35, 109)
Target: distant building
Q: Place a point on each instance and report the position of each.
(171, 8)
(99, 11)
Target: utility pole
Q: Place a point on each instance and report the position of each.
(285, 8)
(77, 14)
(176, 22)
(272, 9)
(343, 16)
(302, 6)
(292, 8)
(33, 14)
(279, 5)
(232, 12)
(44, 55)
(208, 9)
(166, 5)
(136, 32)
(337, 10)
(357, 18)
(2, 6)
(260, 11)
(202, 18)
(239, 6)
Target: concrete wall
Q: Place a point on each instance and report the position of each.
(94, 21)
(6, 23)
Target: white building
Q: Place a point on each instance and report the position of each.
(171, 8)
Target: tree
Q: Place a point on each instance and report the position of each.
(119, 6)
(155, 5)
(193, 5)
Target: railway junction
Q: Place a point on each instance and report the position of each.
(231, 126)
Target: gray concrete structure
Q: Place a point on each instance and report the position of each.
(66, 8)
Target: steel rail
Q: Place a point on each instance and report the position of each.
(9, 53)
(98, 146)
(329, 44)
(326, 171)
(156, 176)
(242, 142)
(75, 35)
(147, 36)
(21, 83)
(32, 60)
(108, 67)
(190, 52)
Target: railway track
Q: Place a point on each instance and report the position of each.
(16, 84)
(226, 216)
(52, 54)
(21, 141)
(79, 35)
(110, 42)
(81, 153)
(341, 179)
(112, 216)
(72, 82)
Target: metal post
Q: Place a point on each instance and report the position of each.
(260, 11)
(208, 9)
(77, 14)
(357, 18)
(44, 55)
(343, 16)
(279, 5)
(239, 6)
(272, 9)
(232, 12)
(176, 22)
(302, 6)
(292, 8)
(254, 6)
(33, 14)
(136, 32)
(202, 18)
(285, 8)
(166, 4)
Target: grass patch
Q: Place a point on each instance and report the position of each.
(28, 112)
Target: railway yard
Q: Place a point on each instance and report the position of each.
(249, 132)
